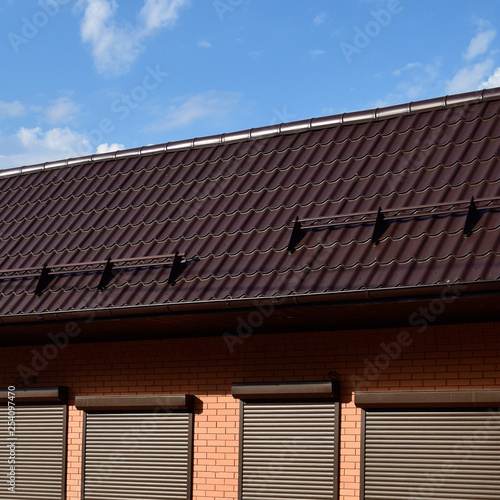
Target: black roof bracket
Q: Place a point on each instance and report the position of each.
(43, 280)
(297, 234)
(107, 275)
(473, 216)
(380, 227)
(178, 265)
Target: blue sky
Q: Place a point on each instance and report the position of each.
(87, 76)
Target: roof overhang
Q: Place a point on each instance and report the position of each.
(417, 307)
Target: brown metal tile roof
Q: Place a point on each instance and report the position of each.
(228, 204)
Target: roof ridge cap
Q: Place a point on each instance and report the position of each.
(349, 118)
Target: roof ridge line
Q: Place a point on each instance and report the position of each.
(349, 118)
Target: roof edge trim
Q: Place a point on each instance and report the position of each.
(446, 290)
(350, 118)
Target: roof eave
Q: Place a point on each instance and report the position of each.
(444, 291)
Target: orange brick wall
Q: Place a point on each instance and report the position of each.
(428, 358)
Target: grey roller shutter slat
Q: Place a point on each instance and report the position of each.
(39, 453)
(288, 451)
(137, 455)
(450, 455)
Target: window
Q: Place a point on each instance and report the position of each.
(137, 447)
(431, 445)
(289, 440)
(33, 443)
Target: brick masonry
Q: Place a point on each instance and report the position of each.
(449, 357)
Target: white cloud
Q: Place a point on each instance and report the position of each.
(211, 104)
(479, 44)
(30, 146)
(114, 48)
(413, 80)
(105, 148)
(57, 111)
(62, 140)
(12, 109)
(204, 44)
(407, 67)
(28, 136)
(320, 18)
(61, 110)
(157, 14)
(469, 78)
(481, 74)
(115, 45)
(317, 53)
(492, 81)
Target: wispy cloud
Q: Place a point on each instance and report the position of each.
(479, 44)
(473, 76)
(317, 53)
(107, 148)
(33, 145)
(30, 146)
(204, 44)
(213, 105)
(414, 78)
(62, 140)
(61, 110)
(116, 44)
(12, 109)
(470, 77)
(492, 81)
(407, 67)
(157, 14)
(57, 111)
(320, 18)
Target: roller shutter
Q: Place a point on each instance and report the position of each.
(432, 454)
(288, 450)
(137, 455)
(40, 444)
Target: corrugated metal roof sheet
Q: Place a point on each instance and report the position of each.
(228, 204)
